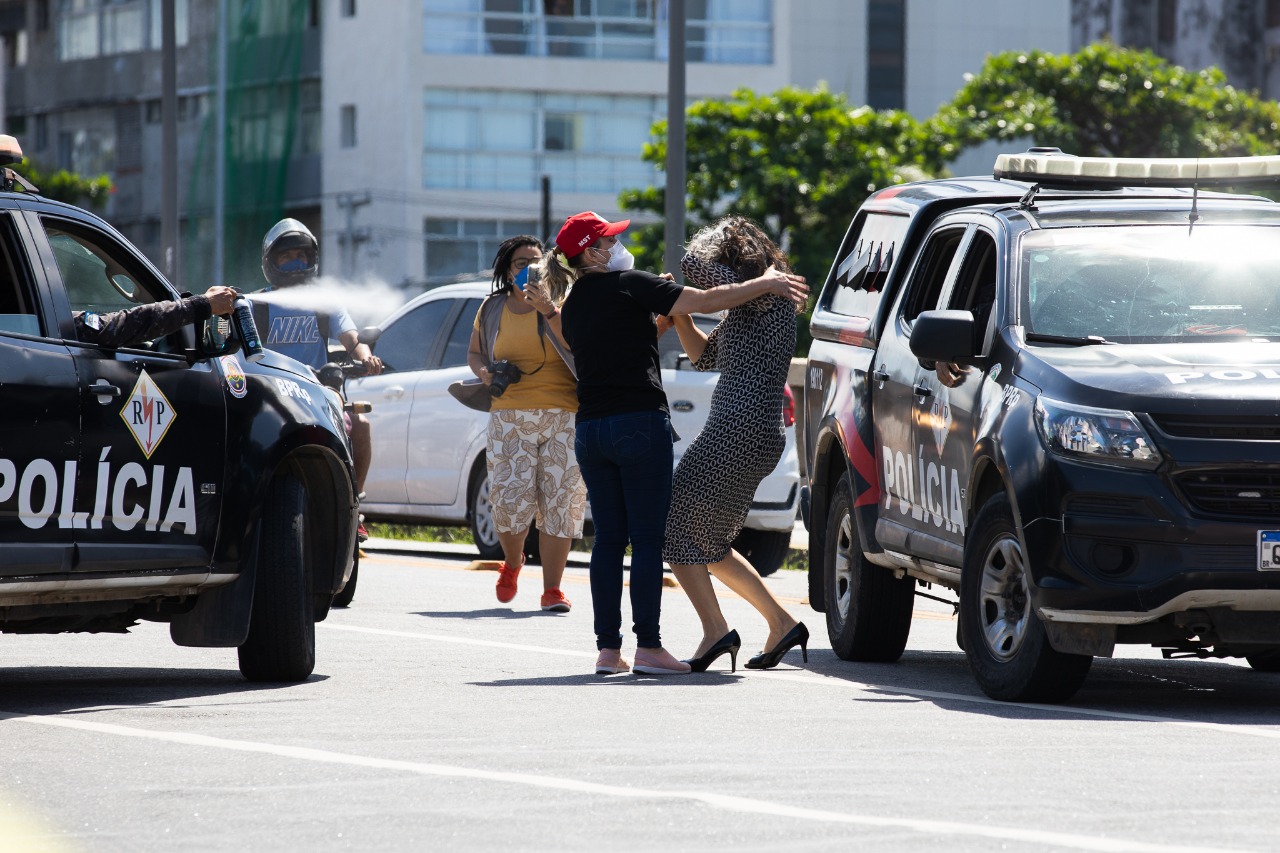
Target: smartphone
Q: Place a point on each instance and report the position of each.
(522, 278)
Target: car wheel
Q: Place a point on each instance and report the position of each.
(1004, 640)
(348, 591)
(766, 550)
(868, 608)
(480, 511)
(281, 645)
(1268, 661)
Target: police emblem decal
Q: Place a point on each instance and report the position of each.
(148, 414)
(236, 382)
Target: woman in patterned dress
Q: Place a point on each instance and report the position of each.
(740, 444)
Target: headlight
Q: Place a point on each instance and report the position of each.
(1095, 435)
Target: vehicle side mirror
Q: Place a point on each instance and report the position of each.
(369, 335)
(214, 339)
(944, 336)
(683, 362)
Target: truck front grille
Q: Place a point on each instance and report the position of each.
(1245, 494)
(1237, 427)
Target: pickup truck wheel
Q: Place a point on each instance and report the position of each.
(868, 609)
(483, 530)
(348, 592)
(281, 645)
(765, 550)
(1004, 640)
(1268, 661)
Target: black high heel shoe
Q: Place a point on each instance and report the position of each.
(730, 643)
(797, 636)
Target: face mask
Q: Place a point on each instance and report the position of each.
(295, 265)
(521, 279)
(620, 258)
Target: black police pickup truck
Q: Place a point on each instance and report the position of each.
(171, 480)
(1056, 392)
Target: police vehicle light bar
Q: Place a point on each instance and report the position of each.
(10, 150)
(1065, 170)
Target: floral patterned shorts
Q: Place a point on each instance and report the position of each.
(533, 472)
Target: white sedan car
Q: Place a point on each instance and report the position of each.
(428, 449)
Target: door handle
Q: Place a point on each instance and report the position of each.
(393, 392)
(103, 389)
(923, 390)
(682, 406)
(881, 375)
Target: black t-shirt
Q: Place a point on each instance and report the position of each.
(608, 322)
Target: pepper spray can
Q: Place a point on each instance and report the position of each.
(247, 330)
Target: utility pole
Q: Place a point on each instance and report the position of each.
(220, 164)
(352, 236)
(544, 224)
(169, 143)
(673, 235)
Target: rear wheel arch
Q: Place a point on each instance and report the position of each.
(830, 464)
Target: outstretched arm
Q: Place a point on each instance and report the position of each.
(727, 296)
(152, 320)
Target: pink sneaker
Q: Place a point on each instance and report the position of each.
(553, 600)
(659, 662)
(611, 662)
(506, 586)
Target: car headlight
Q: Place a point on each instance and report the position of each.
(1095, 435)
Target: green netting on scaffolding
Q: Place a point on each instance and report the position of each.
(263, 90)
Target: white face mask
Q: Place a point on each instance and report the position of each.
(620, 258)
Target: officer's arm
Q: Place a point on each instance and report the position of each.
(142, 322)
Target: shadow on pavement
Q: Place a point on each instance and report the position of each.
(57, 690)
(1194, 691)
(627, 679)
(489, 613)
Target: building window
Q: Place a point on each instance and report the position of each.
(1273, 13)
(347, 114)
(463, 246)
(42, 15)
(310, 126)
(476, 139)
(42, 131)
(86, 152)
(717, 31)
(348, 8)
(89, 28)
(1167, 21)
(886, 54)
(15, 48)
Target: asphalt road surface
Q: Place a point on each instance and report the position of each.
(440, 720)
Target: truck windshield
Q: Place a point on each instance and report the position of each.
(1152, 284)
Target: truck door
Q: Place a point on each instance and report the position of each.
(898, 387)
(153, 425)
(946, 417)
(40, 429)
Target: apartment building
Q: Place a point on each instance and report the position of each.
(413, 135)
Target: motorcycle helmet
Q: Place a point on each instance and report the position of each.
(285, 235)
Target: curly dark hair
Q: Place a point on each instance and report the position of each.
(502, 260)
(740, 244)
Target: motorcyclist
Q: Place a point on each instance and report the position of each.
(301, 327)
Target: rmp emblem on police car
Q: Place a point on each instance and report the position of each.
(148, 414)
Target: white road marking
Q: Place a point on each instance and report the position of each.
(812, 680)
(720, 801)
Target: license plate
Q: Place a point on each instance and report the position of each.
(1269, 550)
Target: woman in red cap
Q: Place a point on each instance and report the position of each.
(624, 433)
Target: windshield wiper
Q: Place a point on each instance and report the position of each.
(1088, 340)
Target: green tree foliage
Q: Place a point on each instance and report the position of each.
(798, 162)
(61, 185)
(1108, 101)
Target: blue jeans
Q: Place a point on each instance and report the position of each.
(625, 461)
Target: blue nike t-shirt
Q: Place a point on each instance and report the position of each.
(295, 332)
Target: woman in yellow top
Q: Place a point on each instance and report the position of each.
(533, 472)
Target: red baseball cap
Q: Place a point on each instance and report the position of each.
(583, 229)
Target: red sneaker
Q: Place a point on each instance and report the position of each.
(361, 534)
(506, 586)
(554, 601)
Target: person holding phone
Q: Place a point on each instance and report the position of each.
(518, 351)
